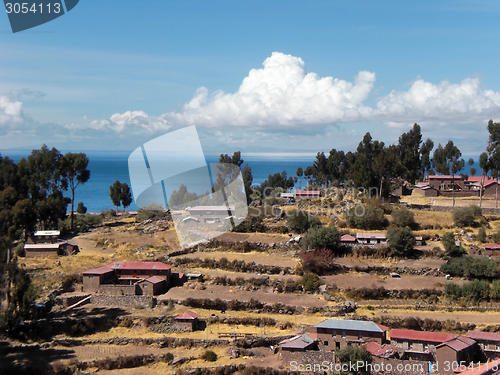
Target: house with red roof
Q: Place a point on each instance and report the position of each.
(489, 342)
(128, 278)
(460, 350)
(417, 345)
(187, 321)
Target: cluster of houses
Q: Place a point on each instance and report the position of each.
(448, 185)
(336, 334)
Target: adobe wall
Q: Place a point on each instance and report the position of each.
(34, 254)
(117, 290)
(131, 301)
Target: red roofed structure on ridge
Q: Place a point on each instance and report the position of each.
(187, 321)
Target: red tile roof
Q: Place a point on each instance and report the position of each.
(422, 336)
(492, 246)
(478, 179)
(374, 348)
(480, 335)
(188, 315)
(99, 270)
(155, 280)
(458, 344)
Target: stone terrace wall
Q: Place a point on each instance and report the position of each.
(117, 290)
(485, 210)
(132, 301)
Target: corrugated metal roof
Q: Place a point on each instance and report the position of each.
(140, 266)
(353, 325)
(47, 233)
(210, 208)
(155, 280)
(98, 270)
(492, 246)
(458, 344)
(423, 336)
(297, 342)
(308, 192)
(347, 238)
(483, 369)
(187, 315)
(34, 246)
(480, 335)
(381, 236)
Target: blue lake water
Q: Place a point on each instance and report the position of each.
(108, 166)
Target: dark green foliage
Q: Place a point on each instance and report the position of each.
(403, 218)
(19, 249)
(151, 211)
(466, 216)
(210, 356)
(75, 172)
(251, 224)
(120, 194)
(481, 235)
(310, 281)
(401, 241)
(80, 208)
(450, 246)
(322, 237)
(409, 154)
(473, 268)
(354, 354)
(476, 290)
(446, 160)
(372, 219)
(300, 221)
(496, 237)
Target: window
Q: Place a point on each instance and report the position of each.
(325, 342)
(360, 335)
(343, 333)
(145, 285)
(91, 276)
(334, 333)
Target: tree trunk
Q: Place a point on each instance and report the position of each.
(72, 206)
(496, 195)
(481, 191)
(453, 189)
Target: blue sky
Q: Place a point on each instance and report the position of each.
(115, 74)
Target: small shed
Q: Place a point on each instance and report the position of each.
(299, 343)
(152, 286)
(187, 321)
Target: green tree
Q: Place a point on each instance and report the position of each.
(446, 160)
(322, 237)
(81, 209)
(300, 173)
(74, 170)
(126, 196)
(451, 247)
(425, 152)
(484, 164)
(466, 216)
(372, 219)
(354, 354)
(409, 154)
(401, 241)
(300, 221)
(310, 281)
(493, 150)
(403, 217)
(481, 235)
(120, 194)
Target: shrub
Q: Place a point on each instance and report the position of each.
(251, 224)
(322, 237)
(403, 218)
(168, 357)
(81, 209)
(210, 356)
(310, 281)
(450, 246)
(300, 221)
(353, 354)
(473, 268)
(466, 216)
(319, 261)
(481, 235)
(401, 241)
(19, 249)
(372, 219)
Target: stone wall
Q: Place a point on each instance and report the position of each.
(485, 210)
(132, 301)
(117, 290)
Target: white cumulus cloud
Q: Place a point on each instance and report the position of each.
(11, 112)
(133, 121)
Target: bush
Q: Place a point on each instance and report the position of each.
(210, 356)
(481, 235)
(401, 241)
(403, 218)
(319, 261)
(310, 282)
(251, 224)
(353, 354)
(19, 249)
(151, 211)
(450, 246)
(321, 237)
(372, 219)
(81, 209)
(300, 221)
(466, 216)
(473, 268)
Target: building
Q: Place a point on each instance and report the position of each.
(381, 351)
(492, 249)
(210, 213)
(187, 321)
(371, 238)
(308, 194)
(488, 368)
(301, 343)
(446, 183)
(425, 190)
(460, 350)
(348, 240)
(44, 236)
(489, 342)
(128, 278)
(334, 334)
(418, 345)
(60, 248)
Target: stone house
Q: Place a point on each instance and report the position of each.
(187, 321)
(460, 350)
(489, 342)
(371, 239)
(335, 334)
(417, 345)
(128, 278)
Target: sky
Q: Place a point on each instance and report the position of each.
(256, 76)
